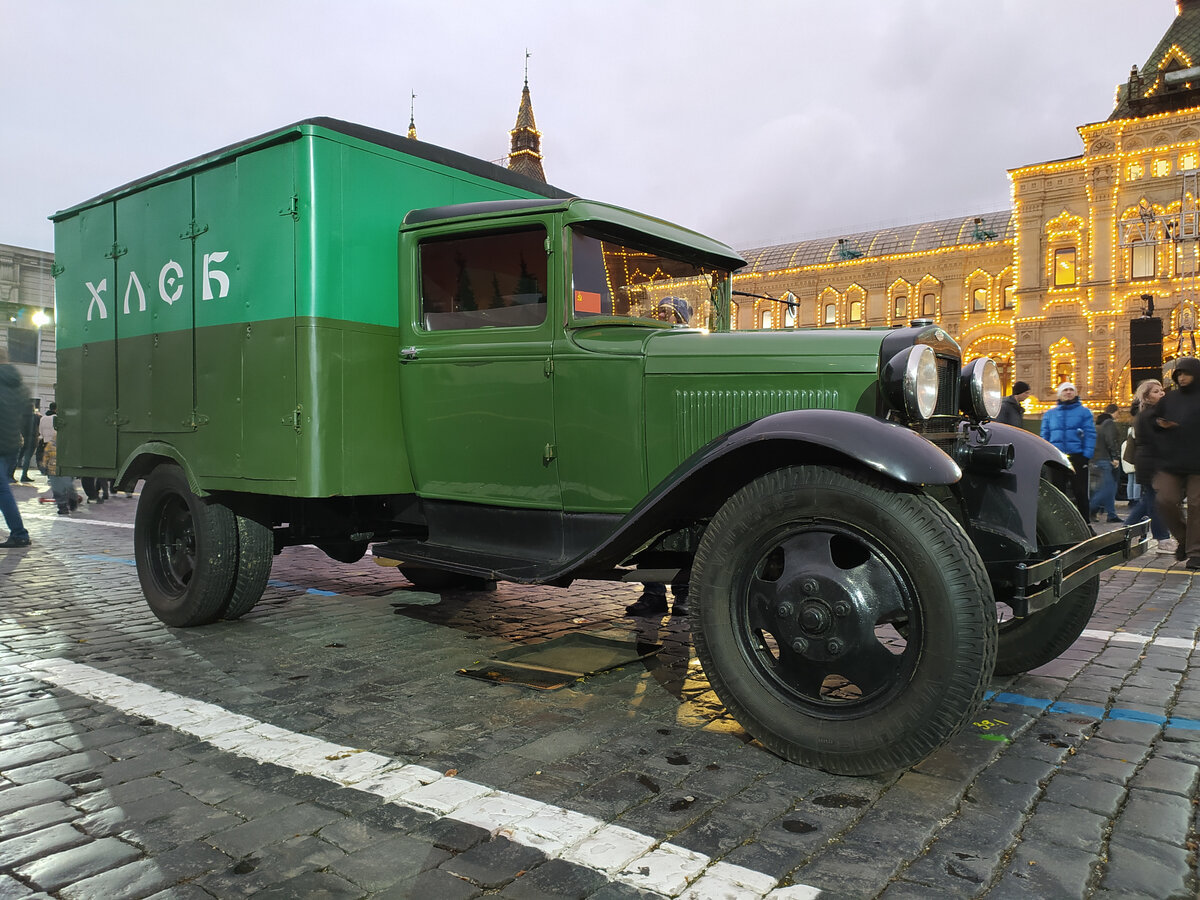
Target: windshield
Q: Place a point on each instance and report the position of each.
(613, 279)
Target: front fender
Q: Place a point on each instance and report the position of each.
(1002, 505)
(702, 482)
(890, 449)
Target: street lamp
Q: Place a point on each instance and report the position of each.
(39, 319)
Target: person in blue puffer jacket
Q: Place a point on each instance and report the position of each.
(1069, 427)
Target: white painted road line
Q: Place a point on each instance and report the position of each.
(58, 518)
(619, 853)
(1125, 637)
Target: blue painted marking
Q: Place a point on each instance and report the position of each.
(1079, 709)
(1132, 715)
(295, 587)
(102, 558)
(1095, 712)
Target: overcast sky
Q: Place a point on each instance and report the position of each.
(756, 121)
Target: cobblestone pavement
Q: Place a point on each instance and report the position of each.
(304, 750)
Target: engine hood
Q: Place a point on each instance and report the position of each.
(777, 352)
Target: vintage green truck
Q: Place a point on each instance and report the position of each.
(333, 335)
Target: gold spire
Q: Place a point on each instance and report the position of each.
(412, 123)
(525, 155)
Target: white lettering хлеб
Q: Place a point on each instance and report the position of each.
(175, 281)
(97, 300)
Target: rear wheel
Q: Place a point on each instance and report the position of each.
(256, 549)
(1037, 639)
(186, 550)
(844, 623)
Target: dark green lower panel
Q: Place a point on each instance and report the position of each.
(306, 408)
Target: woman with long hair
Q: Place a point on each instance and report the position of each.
(1147, 460)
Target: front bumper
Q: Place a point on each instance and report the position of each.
(1036, 586)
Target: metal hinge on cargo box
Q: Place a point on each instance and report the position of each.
(548, 369)
(113, 419)
(294, 419)
(195, 421)
(548, 454)
(194, 230)
(292, 209)
(116, 250)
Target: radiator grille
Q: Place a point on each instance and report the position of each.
(947, 404)
(701, 416)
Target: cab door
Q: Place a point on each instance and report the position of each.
(477, 386)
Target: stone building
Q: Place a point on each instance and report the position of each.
(27, 317)
(1049, 287)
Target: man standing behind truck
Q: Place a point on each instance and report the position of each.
(14, 399)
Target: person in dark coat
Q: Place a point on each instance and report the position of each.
(14, 399)
(1146, 462)
(29, 432)
(1177, 435)
(1107, 460)
(1069, 427)
(1011, 410)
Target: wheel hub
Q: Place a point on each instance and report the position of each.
(817, 620)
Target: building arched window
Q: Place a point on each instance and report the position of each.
(764, 318)
(856, 310)
(830, 314)
(1064, 267)
(929, 305)
(789, 317)
(979, 299)
(1008, 296)
(1141, 260)
(900, 306)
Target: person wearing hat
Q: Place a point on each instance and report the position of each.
(1107, 459)
(1011, 410)
(1069, 427)
(1177, 435)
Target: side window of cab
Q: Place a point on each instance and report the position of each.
(493, 280)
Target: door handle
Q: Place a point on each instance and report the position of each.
(408, 354)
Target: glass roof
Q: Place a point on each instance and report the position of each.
(915, 238)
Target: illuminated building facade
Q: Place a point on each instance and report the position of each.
(1048, 288)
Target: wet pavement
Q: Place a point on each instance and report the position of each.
(326, 746)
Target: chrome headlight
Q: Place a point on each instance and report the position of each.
(911, 381)
(980, 389)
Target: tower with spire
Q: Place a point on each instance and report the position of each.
(412, 121)
(525, 154)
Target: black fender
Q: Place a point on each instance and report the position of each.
(1001, 505)
(702, 482)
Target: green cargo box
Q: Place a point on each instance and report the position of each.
(214, 312)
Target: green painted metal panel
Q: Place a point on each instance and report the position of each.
(85, 330)
(352, 440)
(246, 392)
(599, 424)
(154, 299)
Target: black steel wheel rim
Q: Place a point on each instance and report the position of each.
(826, 619)
(173, 546)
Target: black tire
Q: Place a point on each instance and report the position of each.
(805, 557)
(1035, 640)
(256, 550)
(186, 550)
(437, 580)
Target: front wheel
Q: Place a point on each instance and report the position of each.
(845, 623)
(1039, 638)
